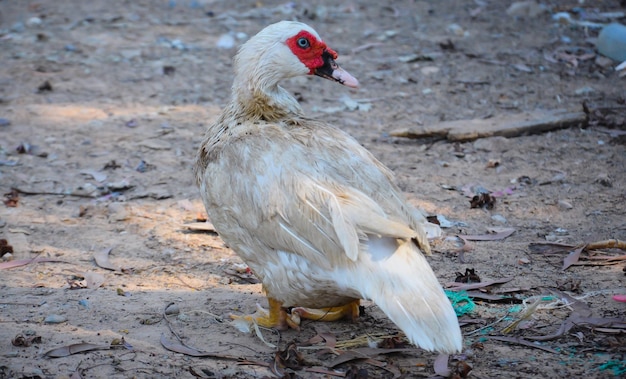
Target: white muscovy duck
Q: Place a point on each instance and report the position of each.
(314, 215)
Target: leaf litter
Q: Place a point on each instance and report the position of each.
(575, 252)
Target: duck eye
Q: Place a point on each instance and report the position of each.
(303, 43)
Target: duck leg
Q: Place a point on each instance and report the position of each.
(275, 317)
(349, 311)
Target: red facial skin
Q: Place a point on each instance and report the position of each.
(311, 56)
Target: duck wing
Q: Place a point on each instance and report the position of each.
(305, 188)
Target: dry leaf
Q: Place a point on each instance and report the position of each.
(441, 365)
(21, 340)
(66, 351)
(473, 286)
(499, 235)
(98, 176)
(572, 257)
(521, 341)
(182, 349)
(24, 262)
(102, 260)
(200, 227)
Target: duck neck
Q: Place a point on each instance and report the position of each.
(264, 100)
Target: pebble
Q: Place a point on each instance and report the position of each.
(496, 144)
(525, 8)
(18, 27)
(117, 212)
(456, 29)
(83, 303)
(604, 180)
(561, 231)
(429, 70)
(172, 310)
(34, 22)
(226, 41)
(603, 62)
(178, 45)
(4, 122)
(564, 205)
(584, 91)
(54, 319)
(499, 218)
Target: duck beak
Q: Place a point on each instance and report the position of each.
(331, 70)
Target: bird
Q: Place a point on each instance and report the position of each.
(314, 215)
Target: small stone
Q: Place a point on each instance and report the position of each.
(604, 62)
(605, 180)
(172, 310)
(493, 144)
(18, 27)
(499, 218)
(456, 29)
(429, 70)
(178, 45)
(34, 22)
(525, 8)
(7, 257)
(523, 261)
(561, 231)
(4, 122)
(565, 205)
(584, 91)
(226, 41)
(551, 237)
(117, 212)
(54, 319)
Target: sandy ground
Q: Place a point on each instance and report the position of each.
(103, 105)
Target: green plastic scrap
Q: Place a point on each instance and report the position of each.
(461, 303)
(618, 367)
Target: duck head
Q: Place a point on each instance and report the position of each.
(284, 50)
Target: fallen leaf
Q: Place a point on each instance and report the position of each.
(11, 199)
(364, 353)
(465, 287)
(500, 235)
(483, 200)
(66, 351)
(493, 297)
(441, 365)
(521, 341)
(470, 276)
(24, 341)
(98, 176)
(200, 226)
(182, 349)
(289, 358)
(102, 259)
(24, 262)
(461, 370)
(572, 257)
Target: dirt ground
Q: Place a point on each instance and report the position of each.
(104, 103)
